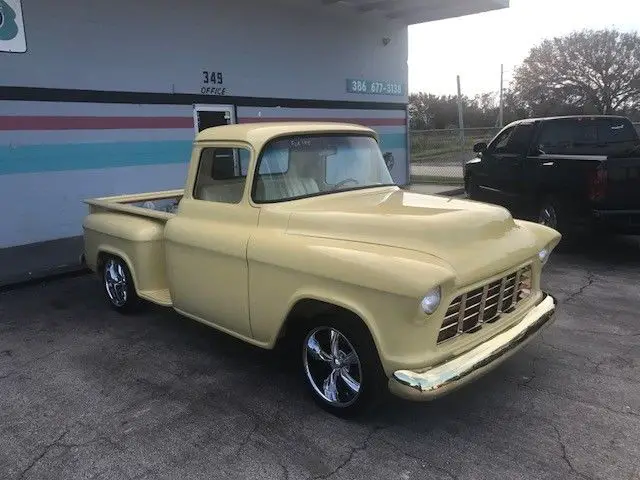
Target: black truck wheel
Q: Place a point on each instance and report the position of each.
(471, 187)
(548, 215)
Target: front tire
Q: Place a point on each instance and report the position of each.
(548, 215)
(471, 187)
(341, 366)
(118, 285)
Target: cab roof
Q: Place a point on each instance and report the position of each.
(262, 132)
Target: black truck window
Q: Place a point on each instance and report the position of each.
(597, 136)
(557, 137)
(520, 139)
(499, 144)
(616, 131)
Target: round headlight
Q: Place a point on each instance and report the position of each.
(431, 300)
(543, 255)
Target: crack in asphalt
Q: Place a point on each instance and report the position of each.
(589, 281)
(614, 334)
(21, 365)
(359, 448)
(530, 378)
(97, 439)
(527, 380)
(563, 448)
(421, 460)
(285, 470)
(569, 352)
(46, 450)
(247, 438)
(593, 405)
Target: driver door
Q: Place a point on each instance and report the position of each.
(206, 243)
(505, 159)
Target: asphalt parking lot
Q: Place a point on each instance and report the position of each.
(87, 393)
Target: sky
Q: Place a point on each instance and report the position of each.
(474, 46)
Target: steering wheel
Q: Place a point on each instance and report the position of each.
(345, 181)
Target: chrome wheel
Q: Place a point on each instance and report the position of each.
(548, 217)
(115, 282)
(332, 366)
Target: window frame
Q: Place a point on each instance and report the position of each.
(223, 145)
(254, 181)
(491, 148)
(531, 137)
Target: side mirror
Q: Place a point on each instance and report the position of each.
(480, 147)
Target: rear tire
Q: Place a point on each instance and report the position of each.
(340, 365)
(118, 285)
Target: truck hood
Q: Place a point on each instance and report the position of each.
(474, 238)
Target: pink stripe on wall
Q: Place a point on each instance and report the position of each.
(371, 122)
(38, 122)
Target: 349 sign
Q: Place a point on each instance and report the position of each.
(212, 83)
(212, 77)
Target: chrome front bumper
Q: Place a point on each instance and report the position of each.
(448, 376)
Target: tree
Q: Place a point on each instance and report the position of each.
(428, 111)
(587, 71)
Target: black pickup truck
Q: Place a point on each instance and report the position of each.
(576, 174)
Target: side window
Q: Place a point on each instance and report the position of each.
(499, 143)
(221, 174)
(520, 139)
(558, 137)
(275, 160)
(620, 131)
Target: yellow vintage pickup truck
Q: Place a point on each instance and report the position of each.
(294, 235)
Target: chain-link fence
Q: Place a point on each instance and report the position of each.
(438, 155)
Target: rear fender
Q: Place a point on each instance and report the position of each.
(107, 250)
(138, 241)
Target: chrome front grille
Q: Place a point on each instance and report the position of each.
(486, 304)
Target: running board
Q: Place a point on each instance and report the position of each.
(161, 297)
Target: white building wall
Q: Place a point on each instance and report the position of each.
(101, 102)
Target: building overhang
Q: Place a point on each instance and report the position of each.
(411, 12)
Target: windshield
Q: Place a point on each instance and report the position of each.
(307, 165)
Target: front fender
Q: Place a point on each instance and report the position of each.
(382, 285)
(545, 236)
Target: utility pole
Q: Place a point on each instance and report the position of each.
(501, 115)
(460, 116)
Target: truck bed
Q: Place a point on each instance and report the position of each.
(132, 227)
(159, 205)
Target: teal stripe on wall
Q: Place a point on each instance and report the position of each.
(393, 141)
(88, 156)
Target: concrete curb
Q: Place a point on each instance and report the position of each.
(436, 180)
(453, 193)
(33, 278)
